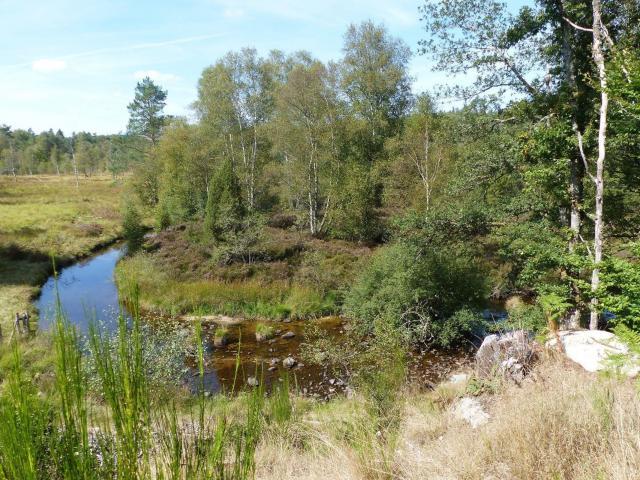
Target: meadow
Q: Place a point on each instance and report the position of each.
(47, 215)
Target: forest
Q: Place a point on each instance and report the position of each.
(532, 182)
(321, 272)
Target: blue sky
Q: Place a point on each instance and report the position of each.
(73, 64)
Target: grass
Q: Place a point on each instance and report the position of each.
(562, 423)
(288, 274)
(45, 215)
(249, 298)
(264, 331)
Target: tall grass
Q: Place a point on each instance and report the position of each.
(123, 430)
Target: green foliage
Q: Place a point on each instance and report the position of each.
(132, 228)
(163, 217)
(355, 217)
(420, 291)
(224, 210)
(264, 331)
(280, 404)
(146, 118)
(619, 291)
(24, 420)
(555, 306)
(527, 317)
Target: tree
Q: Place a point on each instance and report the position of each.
(145, 111)
(305, 134)
(235, 100)
(375, 79)
(224, 211)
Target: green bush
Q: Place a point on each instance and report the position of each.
(355, 217)
(224, 210)
(132, 228)
(427, 293)
(619, 291)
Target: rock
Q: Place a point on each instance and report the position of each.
(252, 382)
(506, 354)
(220, 341)
(273, 361)
(288, 335)
(272, 369)
(289, 362)
(470, 410)
(591, 349)
(287, 320)
(458, 378)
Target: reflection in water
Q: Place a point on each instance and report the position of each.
(87, 292)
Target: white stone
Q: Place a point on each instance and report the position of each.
(459, 378)
(591, 349)
(470, 410)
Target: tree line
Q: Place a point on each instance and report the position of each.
(23, 152)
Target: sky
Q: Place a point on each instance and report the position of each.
(73, 65)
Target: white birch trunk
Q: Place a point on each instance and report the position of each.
(598, 57)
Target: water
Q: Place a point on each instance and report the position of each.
(87, 292)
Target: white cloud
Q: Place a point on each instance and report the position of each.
(155, 75)
(47, 65)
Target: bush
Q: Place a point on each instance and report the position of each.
(427, 293)
(224, 210)
(355, 217)
(282, 221)
(619, 291)
(132, 228)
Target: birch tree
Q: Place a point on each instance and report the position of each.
(304, 134)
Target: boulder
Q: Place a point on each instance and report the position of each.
(289, 362)
(509, 354)
(470, 410)
(591, 348)
(459, 378)
(252, 382)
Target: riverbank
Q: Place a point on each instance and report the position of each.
(45, 215)
(284, 273)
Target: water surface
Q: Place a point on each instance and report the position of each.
(87, 292)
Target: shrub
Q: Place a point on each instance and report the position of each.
(132, 228)
(224, 210)
(220, 336)
(355, 217)
(282, 221)
(619, 291)
(427, 293)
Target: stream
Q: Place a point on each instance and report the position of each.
(87, 292)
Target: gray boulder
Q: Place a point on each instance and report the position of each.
(510, 354)
(289, 362)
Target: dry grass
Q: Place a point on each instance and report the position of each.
(42, 215)
(566, 425)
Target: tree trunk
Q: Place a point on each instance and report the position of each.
(598, 57)
(576, 167)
